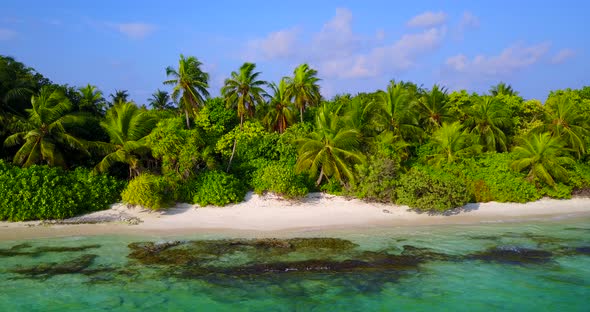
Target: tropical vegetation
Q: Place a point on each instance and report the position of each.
(428, 148)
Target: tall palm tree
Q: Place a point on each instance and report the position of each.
(91, 100)
(502, 89)
(487, 118)
(160, 100)
(451, 143)
(46, 137)
(544, 156)
(17, 84)
(434, 108)
(128, 127)
(330, 149)
(303, 87)
(280, 114)
(243, 91)
(361, 113)
(565, 119)
(120, 96)
(396, 106)
(190, 81)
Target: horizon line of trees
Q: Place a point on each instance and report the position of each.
(337, 144)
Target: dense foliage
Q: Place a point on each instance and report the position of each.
(41, 192)
(280, 179)
(148, 191)
(217, 188)
(427, 148)
(428, 189)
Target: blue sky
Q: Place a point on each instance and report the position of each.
(356, 46)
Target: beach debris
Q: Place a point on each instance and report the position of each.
(96, 218)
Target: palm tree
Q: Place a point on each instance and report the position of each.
(361, 113)
(17, 84)
(434, 108)
(396, 106)
(564, 119)
(192, 82)
(279, 115)
(160, 100)
(303, 87)
(91, 100)
(502, 89)
(46, 137)
(486, 119)
(330, 148)
(120, 96)
(243, 91)
(544, 155)
(451, 143)
(127, 127)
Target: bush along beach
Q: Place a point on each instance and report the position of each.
(69, 150)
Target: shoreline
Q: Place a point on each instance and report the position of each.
(270, 215)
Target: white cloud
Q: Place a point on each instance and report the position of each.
(468, 20)
(562, 56)
(133, 30)
(508, 61)
(336, 37)
(277, 45)
(399, 56)
(457, 62)
(337, 51)
(380, 34)
(7, 34)
(427, 20)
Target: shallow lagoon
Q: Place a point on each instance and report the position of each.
(526, 266)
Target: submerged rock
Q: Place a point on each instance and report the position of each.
(574, 251)
(193, 252)
(485, 237)
(21, 246)
(512, 255)
(17, 250)
(77, 265)
(585, 250)
(197, 259)
(65, 248)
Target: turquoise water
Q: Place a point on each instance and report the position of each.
(541, 266)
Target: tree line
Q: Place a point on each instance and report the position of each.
(404, 143)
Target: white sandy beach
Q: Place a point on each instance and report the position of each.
(272, 214)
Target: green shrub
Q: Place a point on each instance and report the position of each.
(41, 192)
(149, 191)
(580, 176)
(376, 180)
(559, 191)
(184, 190)
(217, 188)
(281, 179)
(490, 178)
(431, 190)
(332, 186)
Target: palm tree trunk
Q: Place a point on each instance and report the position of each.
(233, 151)
(317, 183)
(301, 113)
(282, 124)
(188, 124)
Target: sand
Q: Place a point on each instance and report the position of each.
(316, 212)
